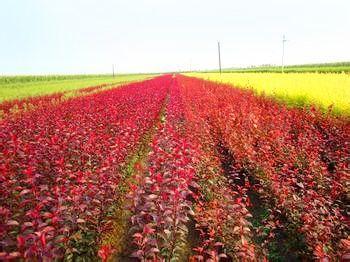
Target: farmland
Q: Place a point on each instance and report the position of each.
(296, 89)
(17, 87)
(175, 168)
(338, 67)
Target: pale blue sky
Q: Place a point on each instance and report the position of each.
(88, 36)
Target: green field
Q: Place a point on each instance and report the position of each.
(338, 67)
(17, 87)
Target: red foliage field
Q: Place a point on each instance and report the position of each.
(228, 176)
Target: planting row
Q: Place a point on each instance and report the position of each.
(297, 160)
(182, 206)
(17, 107)
(229, 176)
(60, 169)
(221, 210)
(160, 200)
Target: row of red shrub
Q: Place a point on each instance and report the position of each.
(20, 105)
(17, 106)
(178, 175)
(161, 198)
(299, 157)
(60, 167)
(208, 126)
(221, 210)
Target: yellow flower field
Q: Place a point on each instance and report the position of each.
(321, 90)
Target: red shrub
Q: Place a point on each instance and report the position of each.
(299, 156)
(60, 167)
(160, 203)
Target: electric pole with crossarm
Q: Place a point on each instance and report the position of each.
(219, 57)
(283, 41)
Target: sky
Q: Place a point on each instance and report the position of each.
(88, 36)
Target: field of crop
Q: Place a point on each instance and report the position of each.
(17, 87)
(173, 168)
(322, 90)
(339, 67)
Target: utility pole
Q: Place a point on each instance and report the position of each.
(283, 41)
(219, 57)
(113, 69)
